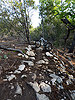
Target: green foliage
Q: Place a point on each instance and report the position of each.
(24, 51)
(51, 12)
(5, 56)
(14, 17)
(0, 57)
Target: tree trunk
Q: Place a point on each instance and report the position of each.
(72, 46)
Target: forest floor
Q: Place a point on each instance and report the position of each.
(40, 75)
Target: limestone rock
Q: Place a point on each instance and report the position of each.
(41, 96)
(45, 87)
(24, 76)
(18, 90)
(73, 94)
(57, 78)
(48, 54)
(41, 62)
(30, 53)
(10, 77)
(26, 56)
(32, 58)
(35, 86)
(28, 48)
(20, 55)
(17, 72)
(21, 67)
(30, 63)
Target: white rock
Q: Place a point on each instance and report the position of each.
(32, 58)
(53, 81)
(55, 58)
(26, 56)
(49, 70)
(34, 76)
(45, 87)
(62, 66)
(11, 77)
(59, 79)
(33, 46)
(40, 48)
(30, 53)
(19, 54)
(49, 83)
(12, 87)
(10, 72)
(17, 72)
(60, 87)
(41, 96)
(48, 54)
(73, 94)
(46, 60)
(30, 63)
(21, 67)
(46, 81)
(70, 76)
(18, 90)
(69, 82)
(40, 62)
(28, 48)
(4, 80)
(35, 86)
(24, 76)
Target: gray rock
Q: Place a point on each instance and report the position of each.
(10, 77)
(34, 76)
(17, 72)
(24, 76)
(48, 54)
(18, 90)
(46, 60)
(41, 62)
(45, 87)
(73, 94)
(30, 53)
(53, 81)
(32, 58)
(20, 55)
(41, 96)
(26, 56)
(70, 76)
(40, 48)
(49, 70)
(57, 78)
(55, 58)
(30, 63)
(21, 67)
(35, 86)
(28, 48)
(12, 87)
(4, 80)
(69, 82)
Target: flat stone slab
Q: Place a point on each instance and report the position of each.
(30, 63)
(41, 96)
(45, 87)
(35, 86)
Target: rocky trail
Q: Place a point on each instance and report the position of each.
(37, 75)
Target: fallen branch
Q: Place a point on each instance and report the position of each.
(12, 49)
